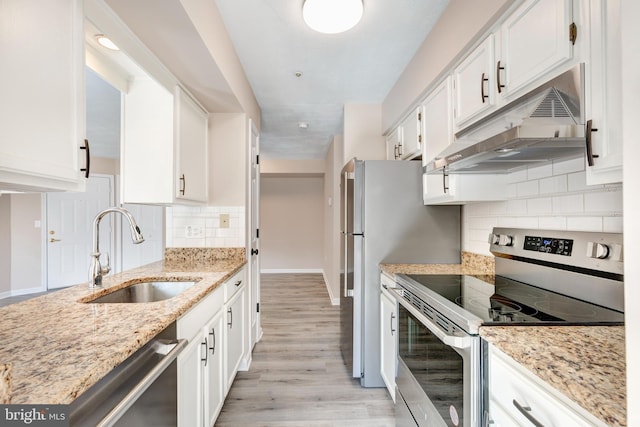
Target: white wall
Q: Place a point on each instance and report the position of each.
(362, 132)
(331, 259)
(291, 223)
(227, 159)
(553, 197)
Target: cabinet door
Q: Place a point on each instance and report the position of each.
(604, 92)
(42, 113)
(191, 142)
(388, 342)
(394, 142)
(473, 82)
(190, 364)
(459, 189)
(535, 40)
(214, 385)
(235, 335)
(411, 145)
(437, 121)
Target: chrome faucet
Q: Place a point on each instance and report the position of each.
(96, 269)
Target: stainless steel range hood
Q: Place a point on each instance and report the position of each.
(543, 125)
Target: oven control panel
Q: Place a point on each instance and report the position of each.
(548, 245)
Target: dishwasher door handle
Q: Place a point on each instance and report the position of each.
(137, 391)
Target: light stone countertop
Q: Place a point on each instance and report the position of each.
(585, 363)
(57, 346)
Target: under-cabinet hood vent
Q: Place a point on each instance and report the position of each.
(543, 125)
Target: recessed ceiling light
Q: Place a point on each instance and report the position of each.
(298, 74)
(332, 16)
(303, 125)
(105, 41)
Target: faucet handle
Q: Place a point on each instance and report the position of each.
(106, 268)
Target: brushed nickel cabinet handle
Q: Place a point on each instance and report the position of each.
(589, 142)
(526, 411)
(183, 184)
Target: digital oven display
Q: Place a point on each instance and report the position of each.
(548, 245)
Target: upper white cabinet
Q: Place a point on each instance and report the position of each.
(473, 80)
(535, 39)
(164, 154)
(411, 146)
(437, 121)
(42, 113)
(394, 144)
(604, 92)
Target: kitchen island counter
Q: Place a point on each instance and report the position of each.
(58, 345)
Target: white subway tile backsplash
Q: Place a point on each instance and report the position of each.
(585, 223)
(568, 166)
(539, 206)
(516, 207)
(552, 223)
(554, 184)
(578, 182)
(607, 201)
(572, 203)
(205, 220)
(518, 176)
(528, 188)
(537, 172)
(612, 224)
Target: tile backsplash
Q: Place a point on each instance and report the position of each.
(205, 227)
(552, 196)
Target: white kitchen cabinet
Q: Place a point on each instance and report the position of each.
(473, 83)
(42, 113)
(394, 144)
(190, 368)
(437, 121)
(604, 92)
(411, 146)
(214, 390)
(458, 189)
(164, 154)
(388, 336)
(236, 335)
(534, 42)
(514, 391)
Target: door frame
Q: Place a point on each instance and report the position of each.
(253, 224)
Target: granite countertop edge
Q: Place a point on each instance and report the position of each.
(57, 346)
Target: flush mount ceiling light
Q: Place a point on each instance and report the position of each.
(105, 41)
(332, 16)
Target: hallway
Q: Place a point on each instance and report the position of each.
(297, 377)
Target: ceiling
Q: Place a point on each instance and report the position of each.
(358, 66)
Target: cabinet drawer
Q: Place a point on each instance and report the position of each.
(192, 321)
(233, 285)
(510, 384)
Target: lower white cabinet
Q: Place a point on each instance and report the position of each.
(215, 328)
(518, 398)
(388, 337)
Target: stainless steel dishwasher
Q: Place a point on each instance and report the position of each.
(141, 391)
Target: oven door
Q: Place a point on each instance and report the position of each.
(438, 371)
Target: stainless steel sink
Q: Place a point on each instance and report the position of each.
(149, 291)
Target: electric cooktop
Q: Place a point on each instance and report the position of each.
(504, 301)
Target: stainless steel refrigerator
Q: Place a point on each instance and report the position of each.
(384, 220)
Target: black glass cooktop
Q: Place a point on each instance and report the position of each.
(506, 301)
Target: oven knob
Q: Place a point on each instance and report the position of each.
(505, 240)
(494, 239)
(597, 250)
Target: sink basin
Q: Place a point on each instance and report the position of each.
(150, 291)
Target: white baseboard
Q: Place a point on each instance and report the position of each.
(5, 294)
(334, 300)
(291, 270)
(27, 291)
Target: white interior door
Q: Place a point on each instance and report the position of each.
(69, 235)
(254, 270)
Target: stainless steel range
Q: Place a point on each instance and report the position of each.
(542, 278)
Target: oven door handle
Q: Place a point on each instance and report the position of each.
(454, 341)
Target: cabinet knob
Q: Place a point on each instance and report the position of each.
(254, 251)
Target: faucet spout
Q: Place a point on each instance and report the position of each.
(96, 269)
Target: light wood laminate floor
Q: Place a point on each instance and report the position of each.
(297, 377)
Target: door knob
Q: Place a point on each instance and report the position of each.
(52, 240)
(254, 251)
